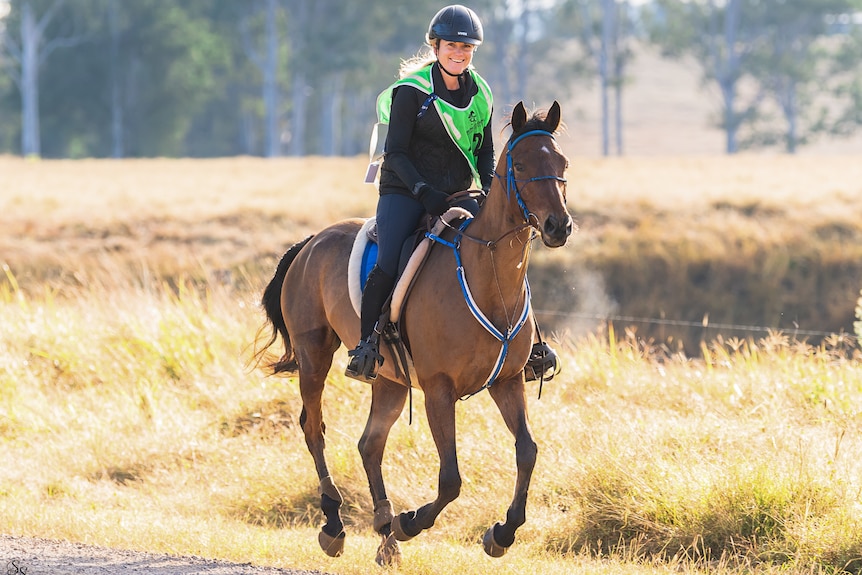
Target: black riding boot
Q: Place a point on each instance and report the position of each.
(365, 360)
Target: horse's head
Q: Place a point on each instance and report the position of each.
(535, 170)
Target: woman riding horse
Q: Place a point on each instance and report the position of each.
(426, 159)
(465, 319)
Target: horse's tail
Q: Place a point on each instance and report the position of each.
(271, 303)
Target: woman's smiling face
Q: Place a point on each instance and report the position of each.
(455, 57)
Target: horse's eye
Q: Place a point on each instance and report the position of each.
(519, 167)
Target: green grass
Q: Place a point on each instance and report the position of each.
(128, 418)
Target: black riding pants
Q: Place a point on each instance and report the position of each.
(398, 216)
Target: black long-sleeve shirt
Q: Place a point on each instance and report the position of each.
(422, 150)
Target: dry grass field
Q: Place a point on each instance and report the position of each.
(782, 223)
(128, 417)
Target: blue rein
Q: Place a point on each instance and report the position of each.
(504, 337)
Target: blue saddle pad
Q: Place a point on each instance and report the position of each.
(369, 259)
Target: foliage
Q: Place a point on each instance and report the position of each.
(784, 76)
(175, 79)
(165, 54)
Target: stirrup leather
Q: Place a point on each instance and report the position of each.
(543, 363)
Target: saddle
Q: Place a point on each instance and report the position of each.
(413, 253)
(543, 364)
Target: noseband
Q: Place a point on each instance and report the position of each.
(512, 182)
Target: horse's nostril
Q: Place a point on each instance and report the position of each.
(554, 226)
(557, 229)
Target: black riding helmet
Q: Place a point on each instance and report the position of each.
(456, 23)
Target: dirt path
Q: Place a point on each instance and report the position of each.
(26, 556)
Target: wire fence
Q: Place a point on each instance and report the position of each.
(705, 324)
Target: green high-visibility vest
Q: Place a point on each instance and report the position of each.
(466, 126)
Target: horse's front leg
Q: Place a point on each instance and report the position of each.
(440, 409)
(511, 400)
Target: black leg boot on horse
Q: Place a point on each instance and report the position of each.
(365, 359)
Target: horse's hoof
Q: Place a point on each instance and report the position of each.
(332, 546)
(398, 528)
(490, 544)
(389, 552)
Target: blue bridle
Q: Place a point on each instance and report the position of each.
(512, 182)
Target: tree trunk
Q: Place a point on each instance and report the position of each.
(619, 71)
(618, 113)
(791, 114)
(30, 39)
(522, 58)
(498, 74)
(270, 83)
(728, 95)
(117, 150)
(300, 89)
(729, 78)
(607, 34)
(331, 108)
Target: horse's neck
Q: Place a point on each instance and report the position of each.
(497, 271)
(501, 219)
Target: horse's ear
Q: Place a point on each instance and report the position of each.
(552, 119)
(519, 117)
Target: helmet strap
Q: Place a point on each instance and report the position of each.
(448, 73)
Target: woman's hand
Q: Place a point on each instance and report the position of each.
(435, 202)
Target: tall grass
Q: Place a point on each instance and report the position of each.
(129, 419)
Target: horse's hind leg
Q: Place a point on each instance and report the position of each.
(387, 402)
(314, 353)
(510, 399)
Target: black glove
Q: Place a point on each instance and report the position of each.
(435, 202)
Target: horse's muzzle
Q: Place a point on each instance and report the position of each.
(556, 230)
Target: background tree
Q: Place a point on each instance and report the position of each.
(800, 69)
(513, 49)
(8, 118)
(761, 49)
(231, 116)
(602, 32)
(720, 37)
(158, 77)
(266, 57)
(28, 50)
(166, 55)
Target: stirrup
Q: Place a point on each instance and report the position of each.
(365, 360)
(543, 363)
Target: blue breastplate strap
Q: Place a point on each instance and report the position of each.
(505, 337)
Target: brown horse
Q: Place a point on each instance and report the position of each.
(445, 319)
